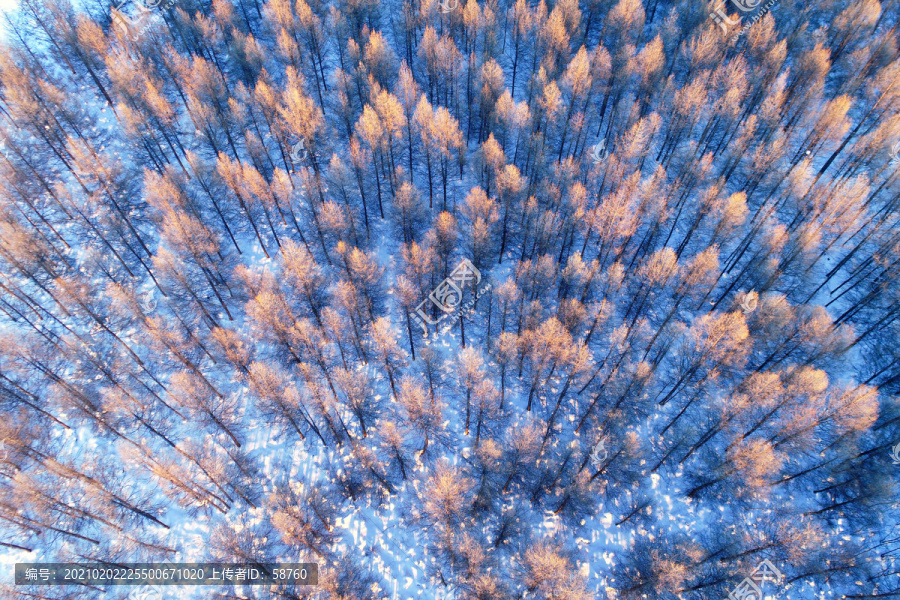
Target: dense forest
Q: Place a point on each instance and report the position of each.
(556, 299)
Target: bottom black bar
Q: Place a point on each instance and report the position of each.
(166, 574)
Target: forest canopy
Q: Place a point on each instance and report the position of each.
(553, 299)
